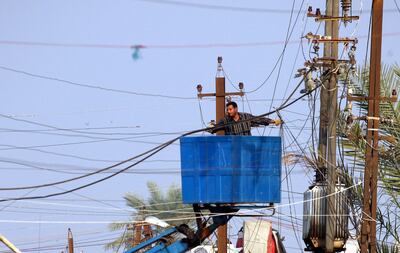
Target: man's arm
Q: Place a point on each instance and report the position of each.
(263, 121)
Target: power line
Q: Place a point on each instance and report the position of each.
(288, 36)
(189, 217)
(77, 143)
(7, 130)
(288, 178)
(84, 85)
(147, 154)
(98, 139)
(82, 134)
(280, 58)
(397, 6)
(85, 175)
(224, 7)
(159, 46)
(141, 46)
(217, 7)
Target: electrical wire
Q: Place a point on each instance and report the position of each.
(203, 123)
(91, 86)
(288, 188)
(140, 46)
(146, 155)
(397, 6)
(84, 134)
(78, 143)
(85, 175)
(288, 36)
(217, 7)
(159, 46)
(55, 128)
(245, 212)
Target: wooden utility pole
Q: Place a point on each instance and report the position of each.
(141, 232)
(327, 127)
(220, 114)
(368, 226)
(70, 241)
(137, 234)
(220, 95)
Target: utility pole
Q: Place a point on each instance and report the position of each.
(220, 95)
(368, 225)
(332, 116)
(220, 114)
(327, 233)
(70, 241)
(327, 127)
(137, 234)
(141, 232)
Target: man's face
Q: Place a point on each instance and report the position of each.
(232, 111)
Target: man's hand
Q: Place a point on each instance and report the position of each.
(210, 126)
(277, 122)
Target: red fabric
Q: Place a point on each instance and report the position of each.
(239, 242)
(271, 243)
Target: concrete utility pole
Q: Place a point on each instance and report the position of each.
(70, 241)
(327, 127)
(220, 95)
(332, 115)
(327, 233)
(368, 226)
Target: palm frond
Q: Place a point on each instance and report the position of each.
(165, 206)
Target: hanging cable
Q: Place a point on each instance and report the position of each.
(147, 154)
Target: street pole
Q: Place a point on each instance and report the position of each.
(220, 96)
(328, 233)
(137, 237)
(220, 114)
(331, 89)
(327, 127)
(70, 241)
(368, 225)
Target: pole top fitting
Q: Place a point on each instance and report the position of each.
(220, 70)
(199, 88)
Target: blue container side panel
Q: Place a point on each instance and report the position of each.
(231, 169)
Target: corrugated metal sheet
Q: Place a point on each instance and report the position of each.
(314, 219)
(231, 169)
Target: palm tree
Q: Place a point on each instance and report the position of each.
(352, 147)
(165, 206)
(352, 144)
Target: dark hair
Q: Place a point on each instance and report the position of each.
(232, 104)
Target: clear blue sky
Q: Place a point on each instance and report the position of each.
(167, 71)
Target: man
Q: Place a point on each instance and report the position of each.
(245, 121)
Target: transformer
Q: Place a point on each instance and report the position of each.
(314, 219)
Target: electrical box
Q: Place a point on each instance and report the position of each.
(231, 169)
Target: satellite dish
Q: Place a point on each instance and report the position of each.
(156, 221)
